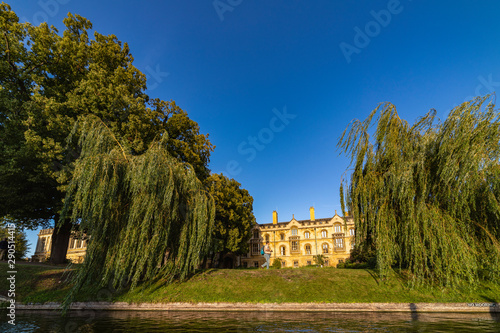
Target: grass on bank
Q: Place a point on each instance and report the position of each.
(39, 284)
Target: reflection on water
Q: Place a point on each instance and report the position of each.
(172, 321)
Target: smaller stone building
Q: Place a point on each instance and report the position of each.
(76, 247)
(296, 242)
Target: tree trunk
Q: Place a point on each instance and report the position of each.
(60, 241)
(204, 263)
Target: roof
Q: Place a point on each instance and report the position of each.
(303, 222)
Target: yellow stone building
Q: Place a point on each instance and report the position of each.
(76, 247)
(296, 242)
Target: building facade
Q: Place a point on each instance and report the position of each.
(296, 242)
(76, 247)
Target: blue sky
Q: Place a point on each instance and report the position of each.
(275, 83)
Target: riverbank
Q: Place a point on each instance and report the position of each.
(274, 307)
(37, 284)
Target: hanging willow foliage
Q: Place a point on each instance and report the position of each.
(147, 215)
(426, 197)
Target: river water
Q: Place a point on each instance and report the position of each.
(173, 321)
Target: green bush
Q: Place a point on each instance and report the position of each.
(276, 263)
(319, 259)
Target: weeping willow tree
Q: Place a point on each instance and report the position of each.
(426, 197)
(147, 215)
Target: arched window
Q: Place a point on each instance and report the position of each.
(282, 236)
(308, 249)
(324, 234)
(256, 234)
(282, 250)
(306, 234)
(351, 232)
(294, 232)
(325, 248)
(283, 263)
(338, 227)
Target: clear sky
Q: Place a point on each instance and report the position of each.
(275, 83)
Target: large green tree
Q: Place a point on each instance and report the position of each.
(234, 217)
(148, 215)
(47, 81)
(20, 240)
(425, 197)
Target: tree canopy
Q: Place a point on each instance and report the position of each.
(47, 81)
(425, 197)
(20, 240)
(146, 215)
(234, 217)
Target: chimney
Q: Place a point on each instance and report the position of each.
(311, 211)
(275, 217)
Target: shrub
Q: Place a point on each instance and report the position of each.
(276, 263)
(319, 259)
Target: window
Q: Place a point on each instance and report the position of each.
(308, 249)
(294, 232)
(295, 245)
(338, 228)
(351, 232)
(327, 263)
(339, 242)
(306, 234)
(255, 248)
(325, 248)
(41, 246)
(283, 263)
(309, 263)
(282, 250)
(256, 234)
(282, 236)
(341, 261)
(72, 244)
(295, 263)
(324, 234)
(245, 264)
(352, 245)
(267, 238)
(256, 264)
